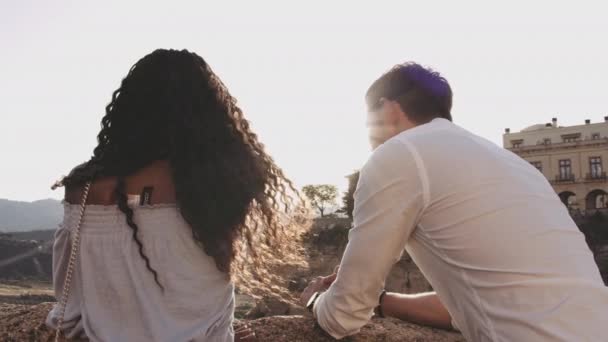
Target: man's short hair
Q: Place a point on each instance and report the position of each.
(421, 92)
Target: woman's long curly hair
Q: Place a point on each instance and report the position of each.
(242, 209)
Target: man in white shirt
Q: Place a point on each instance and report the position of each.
(484, 226)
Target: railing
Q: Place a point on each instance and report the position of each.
(558, 144)
(594, 177)
(563, 179)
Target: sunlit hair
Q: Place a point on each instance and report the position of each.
(242, 209)
(421, 92)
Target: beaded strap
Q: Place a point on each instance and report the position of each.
(75, 246)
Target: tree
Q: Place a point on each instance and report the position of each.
(348, 199)
(321, 196)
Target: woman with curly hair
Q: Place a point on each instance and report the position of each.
(178, 202)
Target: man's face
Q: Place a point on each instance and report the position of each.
(381, 124)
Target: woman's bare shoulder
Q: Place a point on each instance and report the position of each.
(101, 192)
(156, 175)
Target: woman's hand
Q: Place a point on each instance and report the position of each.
(244, 334)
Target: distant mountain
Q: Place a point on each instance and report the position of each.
(16, 216)
(38, 235)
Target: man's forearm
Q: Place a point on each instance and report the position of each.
(424, 309)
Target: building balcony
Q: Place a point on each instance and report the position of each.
(595, 177)
(529, 148)
(563, 179)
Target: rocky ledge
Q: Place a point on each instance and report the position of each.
(26, 323)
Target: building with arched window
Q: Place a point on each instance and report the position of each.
(572, 158)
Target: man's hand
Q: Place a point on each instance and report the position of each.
(319, 284)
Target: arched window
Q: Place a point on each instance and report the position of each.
(597, 199)
(568, 198)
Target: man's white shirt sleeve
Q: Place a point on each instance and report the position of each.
(389, 200)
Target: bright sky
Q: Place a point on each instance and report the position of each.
(298, 69)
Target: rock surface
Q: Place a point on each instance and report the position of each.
(26, 323)
(304, 329)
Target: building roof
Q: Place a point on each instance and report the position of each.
(536, 127)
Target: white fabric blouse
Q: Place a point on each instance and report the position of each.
(115, 298)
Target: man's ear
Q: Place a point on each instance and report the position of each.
(393, 111)
(381, 103)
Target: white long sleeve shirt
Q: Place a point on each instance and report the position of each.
(485, 228)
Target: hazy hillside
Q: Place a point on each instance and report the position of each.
(38, 235)
(18, 216)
